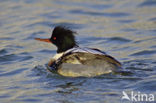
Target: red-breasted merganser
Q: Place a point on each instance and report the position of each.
(74, 61)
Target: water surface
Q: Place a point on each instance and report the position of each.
(125, 29)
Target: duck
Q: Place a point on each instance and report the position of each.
(71, 60)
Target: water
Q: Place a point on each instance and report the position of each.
(125, 29)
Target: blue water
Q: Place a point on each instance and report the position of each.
(125, 29)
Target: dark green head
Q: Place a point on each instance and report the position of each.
(62, 37)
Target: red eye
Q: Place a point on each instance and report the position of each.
(54, 38)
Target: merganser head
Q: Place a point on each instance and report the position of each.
(62, 37)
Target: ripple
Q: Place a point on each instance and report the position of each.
(145, 85)
(101, 6)
(70, 25)
(7, 59)
(147, 39)
(41, 71)
(154, 46)
(141, 68)
(115, 14)
(101, 40)
(89, 39)
(42, 23)
(16, 7)
(119, 39)
(137, 68)
(154, 31)
(144, 52)
(12, 73)
(49, 15)
(128, 29)
(148, 3)
(3, 52)
(6, 38)
(153, 19)
(46, 51)
(92, 38)
(14, 32)
(33, 35)
(26, 58)
(126, 21)
(49, 24)
(43, 74)
(31, 100)
(14, 47)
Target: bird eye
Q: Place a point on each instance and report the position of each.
(54, 38)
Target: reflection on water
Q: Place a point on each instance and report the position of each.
(124, 29)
